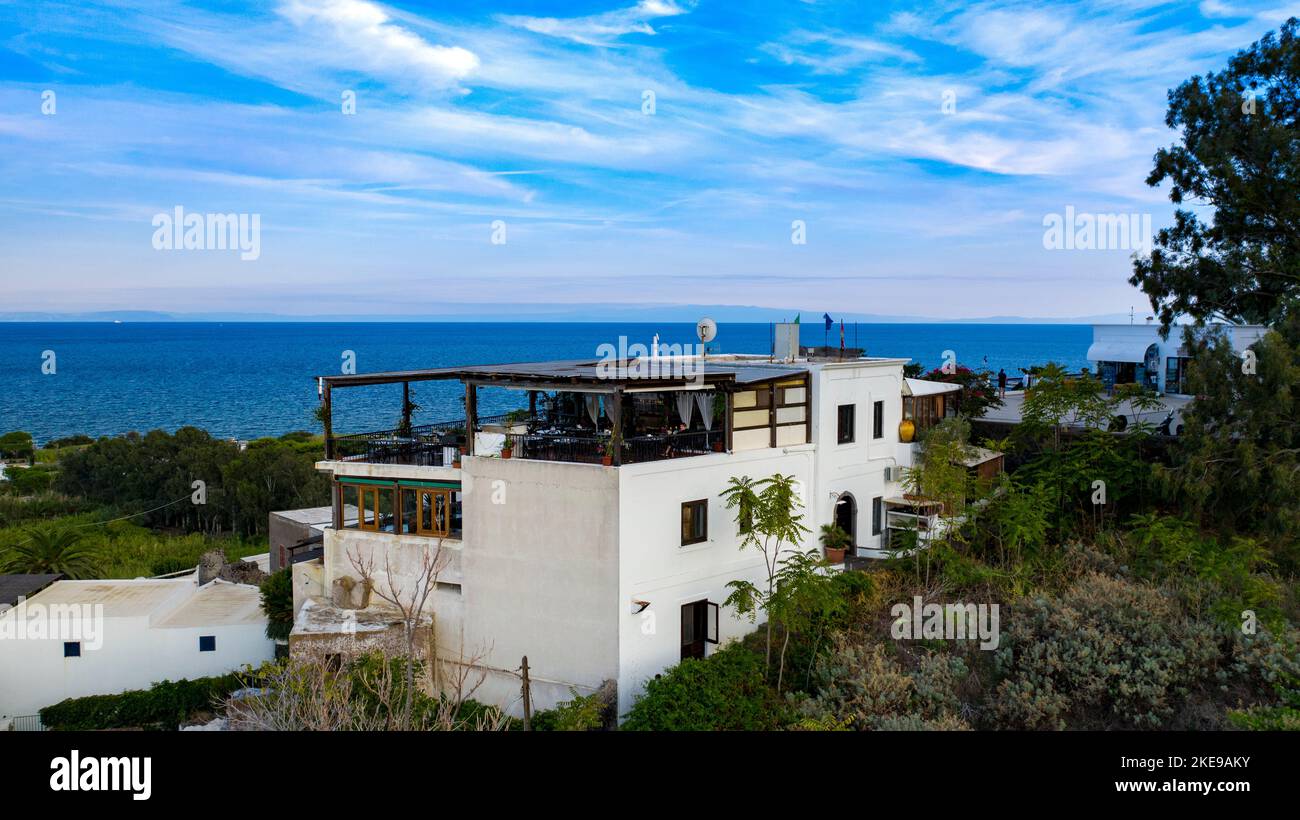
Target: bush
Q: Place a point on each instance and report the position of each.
(582, 713)
(277, 603)
(725, 691)
(28, 481)
(864, 686)
(1104, 654)
(163, 706)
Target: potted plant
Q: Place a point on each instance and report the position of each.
(508, 447)
(836, 542)
(608, 458)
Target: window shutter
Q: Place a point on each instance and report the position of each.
(711, 630)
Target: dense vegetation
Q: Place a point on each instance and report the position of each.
(165, 705)
(122, 507)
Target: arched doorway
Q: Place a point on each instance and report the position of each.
(846, 517)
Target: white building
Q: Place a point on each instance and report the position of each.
(77, 638)
(1135, 354)
(600, 548)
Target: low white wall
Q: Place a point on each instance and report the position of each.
(34, 673)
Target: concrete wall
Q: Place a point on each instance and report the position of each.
(540, 567)
(283, 533)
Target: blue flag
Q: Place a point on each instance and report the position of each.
(830, 323)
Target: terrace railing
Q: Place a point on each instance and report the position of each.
(637, 449)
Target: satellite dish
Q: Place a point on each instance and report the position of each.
(706, 329)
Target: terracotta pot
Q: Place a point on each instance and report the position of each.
(835, 556)
(717, 447)
(456, 464)
(506, 453)
(608, 461)
(906, 430)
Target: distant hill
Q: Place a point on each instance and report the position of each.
(468, 312)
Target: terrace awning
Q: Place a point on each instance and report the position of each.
(1131, 350)
(921, 387)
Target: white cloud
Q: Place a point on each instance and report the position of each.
(367, 34)
(598, 29)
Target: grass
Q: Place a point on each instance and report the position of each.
(123, 549)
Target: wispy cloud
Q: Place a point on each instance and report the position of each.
(640, 144)
(599, 29)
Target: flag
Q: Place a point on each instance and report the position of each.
(841, 335)
(830, 323)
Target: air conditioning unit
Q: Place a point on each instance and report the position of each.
(894, 473)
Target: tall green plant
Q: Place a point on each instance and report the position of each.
(769, 518)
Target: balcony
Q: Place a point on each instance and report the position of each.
(587, 449)
(585, 412)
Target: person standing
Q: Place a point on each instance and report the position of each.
(1002, 383)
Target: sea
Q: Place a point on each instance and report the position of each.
(250, 379)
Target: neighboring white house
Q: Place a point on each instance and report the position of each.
(77, 638)
(1135, 354)
(595, 570)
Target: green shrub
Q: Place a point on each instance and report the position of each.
(28, 481)
(277, 603)
(1106, 653)
(582, 713)
(725, 691)
(164, 706)
(866, 687)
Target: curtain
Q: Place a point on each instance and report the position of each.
(608, 402)
(685, 401)
(704, 401)
(593, 407)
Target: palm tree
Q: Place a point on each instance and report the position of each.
(51, 549)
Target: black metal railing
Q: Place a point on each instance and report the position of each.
(422, 445)
(438, 445)
(636, 449)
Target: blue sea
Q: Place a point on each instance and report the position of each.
(246, 380)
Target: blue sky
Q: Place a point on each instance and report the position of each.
(532, 113)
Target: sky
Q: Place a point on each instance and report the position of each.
(401, 158)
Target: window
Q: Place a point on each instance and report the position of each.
(699, 627)
(878, 420)
(877, 512)
(72, 649)
(845, 435)
(207, 643)
(695, 521)
(428, 512)
(374, 506)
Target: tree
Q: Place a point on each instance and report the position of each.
(17, 444)
(1237, 465)
(410, 600)
(1237, 154)
(767, 513)
(51, 549)
(277, 604)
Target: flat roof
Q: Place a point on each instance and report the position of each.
(135, 598)
(217, 603)
(664, 370)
